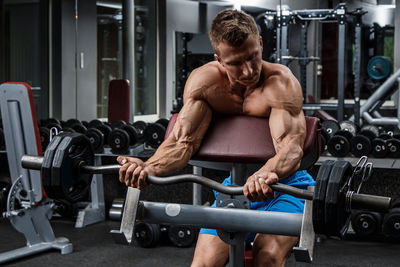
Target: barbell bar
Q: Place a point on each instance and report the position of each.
(359, 201)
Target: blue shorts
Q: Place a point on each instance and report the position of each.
(281, 202)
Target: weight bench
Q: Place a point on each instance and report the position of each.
(240, 144)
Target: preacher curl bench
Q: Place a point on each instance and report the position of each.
(240, 144)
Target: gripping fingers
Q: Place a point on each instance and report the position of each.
(122, 172)
(129, 179)
(142, 180)
(257, 191)
(267, 192)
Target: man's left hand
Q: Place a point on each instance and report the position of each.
(257, 186)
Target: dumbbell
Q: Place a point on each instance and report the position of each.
(154, 134)
(121, 138)
(361, 144)
(96, 138)
(378, 145)
(98, 133)
(324, 139)
(2, 140)
(95, 123)
(391, 221)
(140, 126)
(163, 121)
(330, 126)
(117, 124)
(78, 127)
(182, 236)
(147, 235)
(339, 143)
(366, 223)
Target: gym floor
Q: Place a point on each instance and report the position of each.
(94, 246)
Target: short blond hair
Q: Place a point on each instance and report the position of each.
(232, 26)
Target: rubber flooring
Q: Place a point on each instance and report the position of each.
(94, 246)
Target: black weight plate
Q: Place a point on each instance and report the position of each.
(106, 130)
(346, 134)
(338, 146)
(365, 223)
(117, 124)
(147, 234)
(360, 146)
(118, 140)
(95, 123)
(349, 126)
(391, 224)
(393, 147)
(182, 236)
(335, 212)
(140, 126)
(79, 128)
(318, 205)
(52, 120)
(2, 140)
(132, 132)
(86, 124)
(370, 131)
(330, 126)
(48, 164)
(44, 137)
(163, 121)
(67, 180)
(71, 122)
(96, 138)
(154, 134)
(379, 148)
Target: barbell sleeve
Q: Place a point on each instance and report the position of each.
(359, 200)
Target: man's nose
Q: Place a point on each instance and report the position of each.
(247, 69)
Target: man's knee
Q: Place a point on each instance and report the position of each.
(210, 251)
(272, 250)
(268, 256)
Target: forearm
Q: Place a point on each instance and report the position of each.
(169, 157)
(286, 161)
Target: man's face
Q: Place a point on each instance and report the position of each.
(243, 64)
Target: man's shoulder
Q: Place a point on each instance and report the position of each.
(203, 78)
(210, 70)
(282, 87)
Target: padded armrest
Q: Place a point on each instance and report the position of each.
(247, 139)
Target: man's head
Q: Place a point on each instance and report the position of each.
(232, 27)
(238, 46)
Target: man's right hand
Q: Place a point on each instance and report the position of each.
(133, 172)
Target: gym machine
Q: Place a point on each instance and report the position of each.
(339, 14)
(28, 207)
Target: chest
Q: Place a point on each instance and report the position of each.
(255, 103)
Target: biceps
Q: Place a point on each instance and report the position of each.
(287, 129)
(192, 122)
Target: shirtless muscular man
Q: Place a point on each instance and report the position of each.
(238, 82)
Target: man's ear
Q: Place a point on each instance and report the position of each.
(218, 58)
(261, 42)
